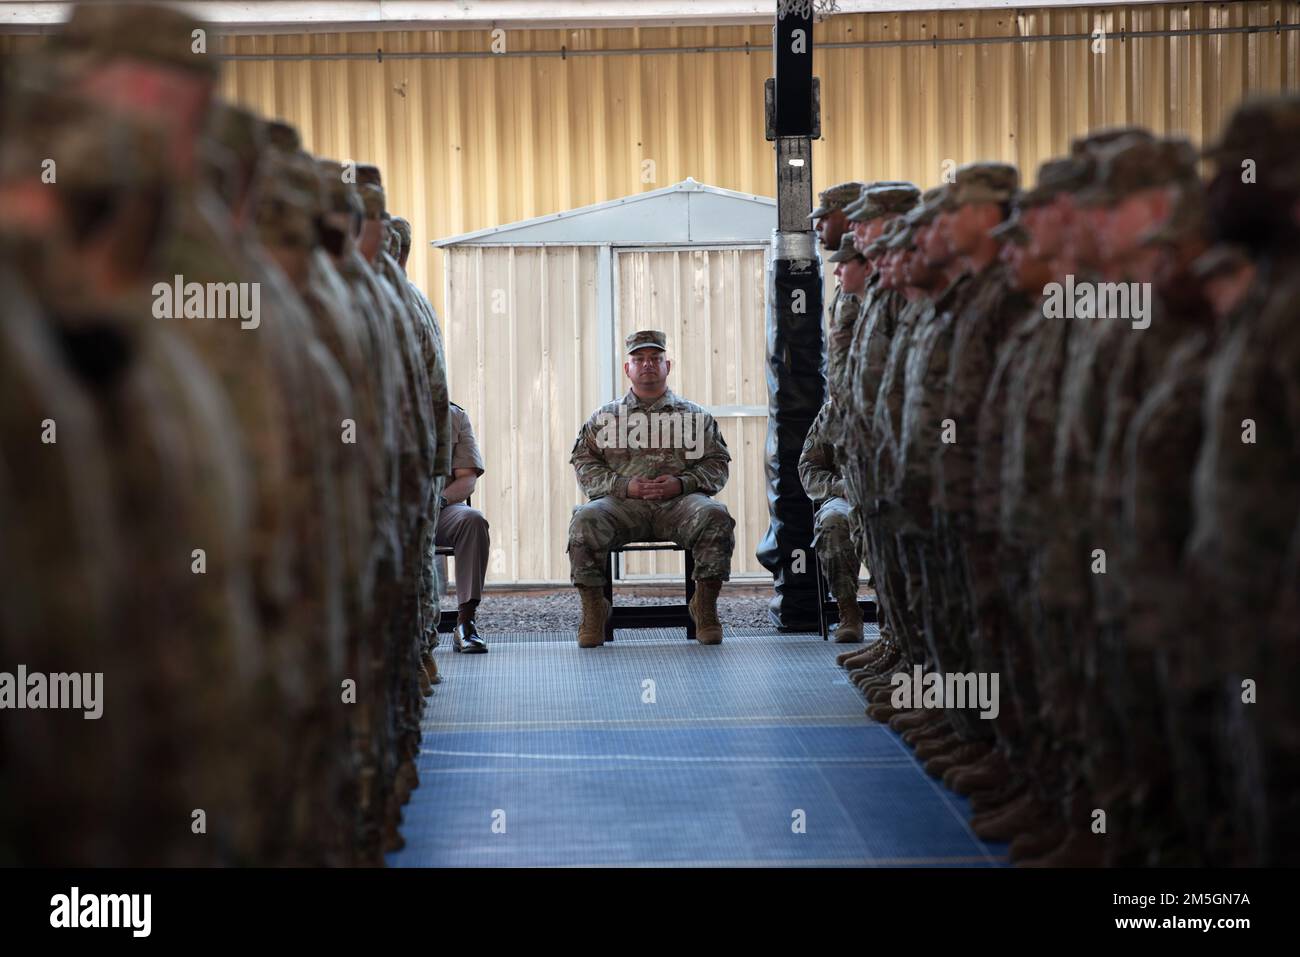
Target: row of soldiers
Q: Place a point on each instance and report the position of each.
(1067, 424)
(223, 437)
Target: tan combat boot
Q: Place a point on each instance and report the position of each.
(595, 610)
(846, 598)
(704, 611)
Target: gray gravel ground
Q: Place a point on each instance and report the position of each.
(560, 610)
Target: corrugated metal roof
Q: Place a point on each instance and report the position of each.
(685, 213)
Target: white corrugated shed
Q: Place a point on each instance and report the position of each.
(536, 314)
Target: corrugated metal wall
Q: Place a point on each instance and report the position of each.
(483, 140)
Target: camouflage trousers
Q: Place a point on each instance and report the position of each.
(836, 539)
(696, 521)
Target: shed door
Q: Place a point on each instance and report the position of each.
(710, 304)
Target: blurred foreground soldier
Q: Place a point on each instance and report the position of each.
(169, 469)
(650, 463)
(465, 529)
(1242, 548)
(880, 210)
(435, 358)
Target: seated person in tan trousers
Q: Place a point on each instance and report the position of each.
(466, 530)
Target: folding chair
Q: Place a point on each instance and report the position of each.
(649, 616)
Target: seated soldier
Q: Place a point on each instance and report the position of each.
(835, 526)
(466, 530)
(651, 463)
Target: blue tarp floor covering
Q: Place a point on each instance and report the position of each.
(654, 751)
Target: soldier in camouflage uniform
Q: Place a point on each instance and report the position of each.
(835, 526)
(419, 448)
(910, 271)
(880, 208)
(650, 463)
(977, 204)
(1242, 548)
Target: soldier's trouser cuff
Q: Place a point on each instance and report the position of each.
(712, 570)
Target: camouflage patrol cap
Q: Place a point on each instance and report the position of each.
(1258, 124)
(1082, 146)
(368, 173)
(403, 230)
(880, 245)
(846, 251)
(289, 202)
(237, 129)
(1266, 130)
(982, 183)
(933, 201)
(1136, 163)
(1011, 230)
(647, 339)
(152, 33)
(1219, 260)
(836, 197)
(339, 196)
(91, 150)
(902, 236)
(882, 199)
(1054, 177)
(283, 136)
(1187, 220)
(372, 198)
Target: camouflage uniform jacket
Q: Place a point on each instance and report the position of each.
(686, 442)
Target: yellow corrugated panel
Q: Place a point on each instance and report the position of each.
(475, 142)
(483, 140)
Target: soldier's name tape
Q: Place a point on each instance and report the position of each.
(62, 691)
(208, 300)
(635, 429)
(973, 689)
(74, 909)
(1098, 300)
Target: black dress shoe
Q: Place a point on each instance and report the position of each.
(464, 637)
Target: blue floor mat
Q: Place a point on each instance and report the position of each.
(654, 751)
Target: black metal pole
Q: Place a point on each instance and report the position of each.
(796, 362)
